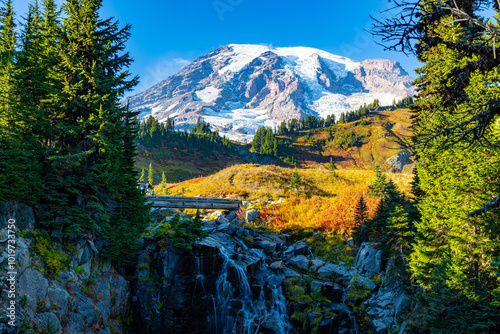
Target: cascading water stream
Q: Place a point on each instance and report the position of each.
(251, 313)
(279, 312)
(353, 318)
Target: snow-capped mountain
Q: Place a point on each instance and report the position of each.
(239, 88)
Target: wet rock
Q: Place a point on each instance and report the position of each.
(258, 253)
(275, 281)
(379, 327)
(267, 245)
(277, 265)
(251, 215)
(300, 261)
(290, 272)
(272, 323)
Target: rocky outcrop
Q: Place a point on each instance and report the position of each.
(80, 294)
(400, 160)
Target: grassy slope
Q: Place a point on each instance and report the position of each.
(324, 201)
(180, 165)
(382, 138)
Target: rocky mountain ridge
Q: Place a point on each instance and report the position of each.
(239, 88)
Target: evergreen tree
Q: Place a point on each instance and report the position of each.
(151, 178)
(379, 187)
(295, 181)
(163, 182)
(89, 174)
(142, 179)
(331, 168)
(361, 211)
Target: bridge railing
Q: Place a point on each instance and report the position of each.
(180, 202)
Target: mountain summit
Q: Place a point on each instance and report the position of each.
(239, 88)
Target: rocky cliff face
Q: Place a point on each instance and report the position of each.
(238, 88)
(85, 295)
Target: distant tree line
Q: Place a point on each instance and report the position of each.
(200, 140)
(312, 122)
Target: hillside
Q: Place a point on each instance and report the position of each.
(353, 145)
(323, 201)
(359, 144)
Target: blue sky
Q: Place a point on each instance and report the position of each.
(167, 34)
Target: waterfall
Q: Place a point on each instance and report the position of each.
(236, 311)
(279, 312)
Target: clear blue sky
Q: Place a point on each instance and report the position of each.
(167, 34)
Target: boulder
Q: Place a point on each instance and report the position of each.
(316, 285)
(369, 259)
(251, 215)
(379, 327)
(290, 272)
(289, 252)
(333, 291)
(231, 215)
(34, 285)
(223, 220)
(267, 245)
(316, 264)
(299, 261)
(363, 281)
(277, 265)
(302, 249)
(223, 227)
(333, 271)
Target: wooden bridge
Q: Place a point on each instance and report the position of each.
(180, 202)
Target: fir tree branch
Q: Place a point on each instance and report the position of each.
(494, 203)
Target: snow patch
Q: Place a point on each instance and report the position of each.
(208, 94)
